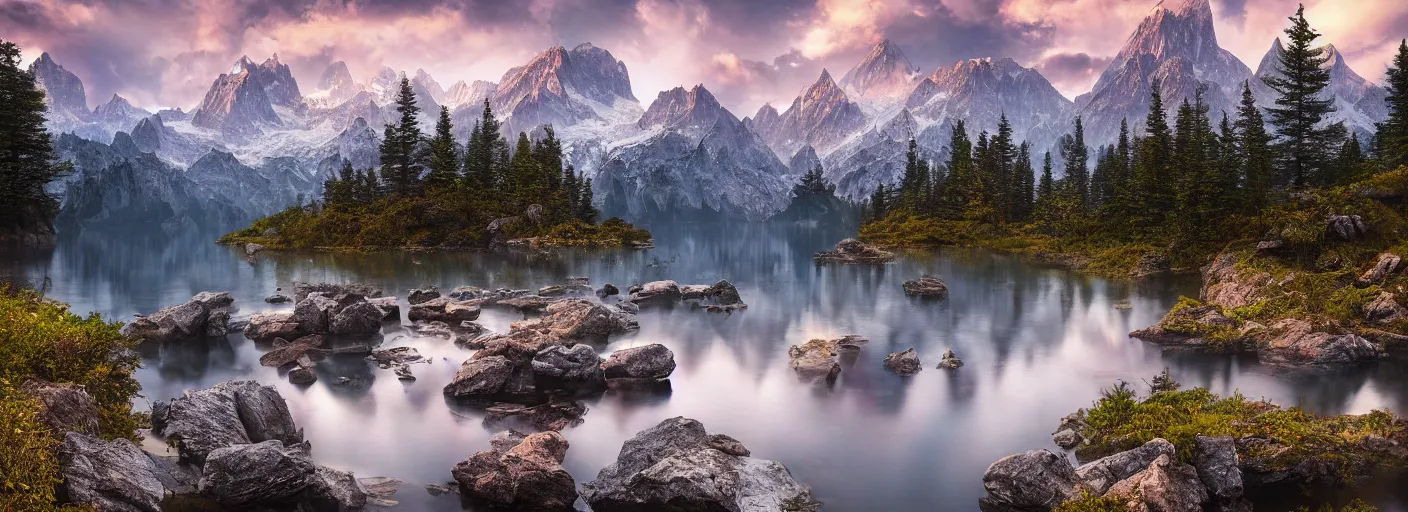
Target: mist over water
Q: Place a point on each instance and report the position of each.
(1038, 343)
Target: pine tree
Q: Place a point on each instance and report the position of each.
(1152, 194)
(915, 183)
(444, 162)
(1229, 169)
(1076, 156)
(487, 156)
(1026, 183)
(1301, 107)
(1046, 188)
(1254, 147)
(960, 172)
(1118, 203)
(521, 183)
(1004, 156)
(1348, 161)
(1393, 134)
(27, 160)
(400, 166)
(879, 203)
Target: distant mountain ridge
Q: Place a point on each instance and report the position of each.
(258, 140)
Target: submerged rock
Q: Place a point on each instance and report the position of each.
(851, 250)
(207, 314)
(904, 363)
(677, 465)
(649, 362)
(926, 287)
(301, 290)
(387, 358)
(554, 416)
(109, 475)
(284, 354)
(1035, 480)
(278, 298)
(817, 360)
(528, 476)
(950, 361)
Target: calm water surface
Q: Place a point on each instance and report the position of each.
(1038, 343)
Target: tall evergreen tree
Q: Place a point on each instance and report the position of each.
(1300, 107)
(915, 183)
(1004, 156)
(879, 202)
(400, 166)
(960, 172)
(1254, 148)
(1393, 134)
(1076, 157)
(27, 160)
(1026, 183)
(1152, 192)
(444, 162)
(486, 157)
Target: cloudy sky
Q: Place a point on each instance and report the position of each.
(167, 52)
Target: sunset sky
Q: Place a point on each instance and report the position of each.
(161, 53)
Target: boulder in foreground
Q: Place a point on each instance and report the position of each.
(527, 475)
(677, 465)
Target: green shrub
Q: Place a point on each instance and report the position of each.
(41, 339)
(1091, 503)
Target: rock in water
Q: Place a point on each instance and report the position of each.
(64, 407)
(851, 250)
(950, 361)
(230, 413)
(302, 289)
(422, 295)
(1294, 343)
(1035, 480)
(1217, 465)
(816, 360)
(207, 314)
(607, 290)
(331, 490)
(581, 320)
(528, 476)
(656, 293)
(444, 309)
(1166, 485)
(109, 475)
(251, 249)
(926, 287)
(677, 465)
(267, 327)
(247, 475)
(575, 367)
(650, 362)
(554, 416)
(903, 363)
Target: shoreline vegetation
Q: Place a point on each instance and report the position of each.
(1298, 232)
(60, 375)
(431, 194)
(1190, 449)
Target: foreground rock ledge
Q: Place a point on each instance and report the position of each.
(677, 465)
(520, 472)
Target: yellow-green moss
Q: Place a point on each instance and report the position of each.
(1091, 503)
(42, 339)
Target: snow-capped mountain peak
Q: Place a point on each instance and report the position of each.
(63, 91)
(885, 75)
(236, 104)
(822, 116)
(1358, 103)
(678, 108)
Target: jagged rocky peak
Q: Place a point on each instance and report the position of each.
(337, 82)
(63, 91)
(597, 74)
(678, 108)
(385, 84)
(563, 87)
(822, 116)
(236, 103)
(427, 82)
(148, 133)
(1358, 103)
(278, 82)
(462, 93)
(119, 111)
(901, 127)
(1173, 30)
(884, 73)
(803, 160)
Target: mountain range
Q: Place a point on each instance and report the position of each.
(257, 141)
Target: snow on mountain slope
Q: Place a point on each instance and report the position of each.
(1359, 104)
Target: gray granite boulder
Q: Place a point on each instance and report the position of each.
(230, 413)
(109, 475)
(528, 476)
(1034, 480)
(261, 474)
(651, 362)
(207, 314)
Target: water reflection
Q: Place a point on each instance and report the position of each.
(1038, 343)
